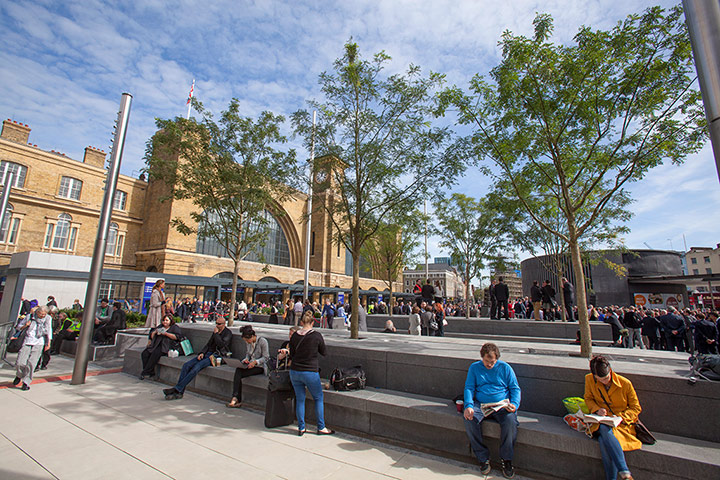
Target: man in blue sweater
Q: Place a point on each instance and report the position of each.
(489, 382)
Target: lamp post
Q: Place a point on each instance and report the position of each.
(93, 288)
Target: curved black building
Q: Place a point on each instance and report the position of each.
(605, 285)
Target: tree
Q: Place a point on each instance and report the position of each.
(393, 247)
(233, 173)
(471, 232)
(580, 122)
(379, 131)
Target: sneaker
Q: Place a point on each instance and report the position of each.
(485, 467)
(507, 469)
(16, 380)
(169, 391)
(26, 386)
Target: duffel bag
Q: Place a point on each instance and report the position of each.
(344, 379)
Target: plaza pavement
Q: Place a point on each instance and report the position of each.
(115, 426)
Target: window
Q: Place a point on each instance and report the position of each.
(115, 241)
(706, 259)
(696, 271)
(693, 260)
(120, 200)
(18, 170)
(9, 223)
(61, 234)
(708, 271)
(70, 188)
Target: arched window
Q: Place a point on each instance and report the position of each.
(18, 170)
(115, 241)
(9, 223)
(61, 234)
(275, 252)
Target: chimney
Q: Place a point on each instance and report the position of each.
(94, 156)
(15, 132)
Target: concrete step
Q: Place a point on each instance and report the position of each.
(545, 445)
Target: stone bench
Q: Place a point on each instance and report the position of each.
(124, 340)
(545, 445)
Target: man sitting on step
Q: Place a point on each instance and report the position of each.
(217, 347)
(492, 392)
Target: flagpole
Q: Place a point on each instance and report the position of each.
(189, 101)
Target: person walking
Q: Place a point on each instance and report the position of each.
(305, 346)
(38, 337)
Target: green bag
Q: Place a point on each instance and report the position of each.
(573, 404)
(187, 347)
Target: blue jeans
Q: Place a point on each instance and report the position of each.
(311, 380)
(613, 457)
(508, 434)
(189, 369)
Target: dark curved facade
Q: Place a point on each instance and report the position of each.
(604, 285)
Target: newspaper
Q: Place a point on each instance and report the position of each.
(490, 408)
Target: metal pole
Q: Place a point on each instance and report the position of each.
(712, 295)
(306, 281)
(7, 186)
(703, 22)
(93, 288)
(427, 273)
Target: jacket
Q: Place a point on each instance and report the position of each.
(620, 400)
(258, 352)
(502, 293)
(219, 343)
(548, 293)
(535, 294)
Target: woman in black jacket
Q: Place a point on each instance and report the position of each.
(161, 340)
(305, 345)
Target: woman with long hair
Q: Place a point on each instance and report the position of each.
(609, 394)
(305, 345)
(255, 362)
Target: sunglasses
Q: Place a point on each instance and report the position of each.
(219, 323)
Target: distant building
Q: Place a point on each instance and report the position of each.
(703, 260)
(644, 283)
(445, 260)
(450, 280)
(513, 279)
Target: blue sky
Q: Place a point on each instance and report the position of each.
(63, 66)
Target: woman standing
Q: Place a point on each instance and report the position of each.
(255, 361)
(414, 320)
(159, 343)
(607, 393)
(440, 319)
(157, 300)
(305, 345)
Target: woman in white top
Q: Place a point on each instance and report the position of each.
(38, 337)
(414, 321)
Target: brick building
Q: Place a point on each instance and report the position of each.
(55, 206)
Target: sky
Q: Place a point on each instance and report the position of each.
(64, 65)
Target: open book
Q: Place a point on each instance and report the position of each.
(590, 418)
(490, 408)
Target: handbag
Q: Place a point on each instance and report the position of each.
(186, 347)
(279, 380)
(346, 379)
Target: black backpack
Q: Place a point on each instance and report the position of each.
(345, 379)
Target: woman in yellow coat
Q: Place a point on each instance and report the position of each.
(607, 393)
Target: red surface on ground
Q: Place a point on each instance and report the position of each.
(60, 378)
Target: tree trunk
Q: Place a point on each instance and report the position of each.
(585, 336)
(467, 290)
(355, 318)
(233, 293)
(390, 300)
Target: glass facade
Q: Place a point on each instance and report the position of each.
(275, 252)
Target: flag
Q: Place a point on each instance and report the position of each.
(190, 95)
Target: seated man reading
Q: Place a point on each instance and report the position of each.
(492, 392)
(217, 347)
